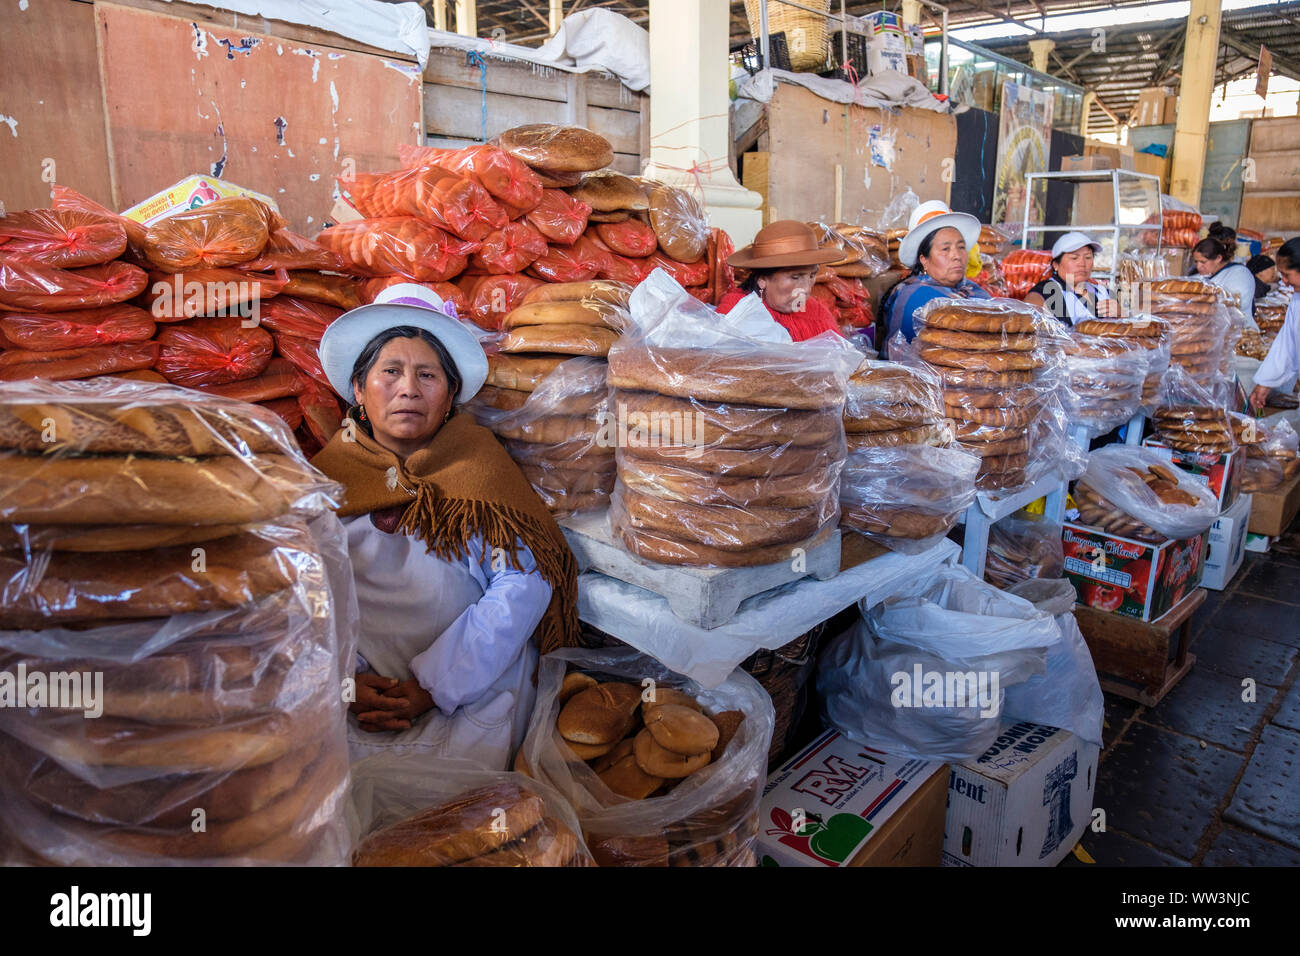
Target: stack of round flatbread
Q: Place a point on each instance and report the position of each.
(1147, 333)
(1194, 428)
(1107, 374)
(1198, 324)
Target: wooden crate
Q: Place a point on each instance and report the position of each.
(1140, 660)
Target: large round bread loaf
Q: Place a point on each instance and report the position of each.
(661, 419)
(598, 290)
(773, 460)
(608, 191)
(671, 483)
(722, 527)
(521, 372)
(563, 149)
(757, 378)
(664, 548)
(169, 429)
(565, 312)
(564, 339)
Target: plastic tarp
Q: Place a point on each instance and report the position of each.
(887, 90)
(769, 620)
(603, 40)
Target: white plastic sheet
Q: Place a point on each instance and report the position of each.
(602, 40)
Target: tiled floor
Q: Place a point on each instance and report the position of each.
(1211, 777)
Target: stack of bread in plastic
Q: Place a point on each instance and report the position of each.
(1272, 451)
(730, 436)
(176, 580)
(839, 286)
(1198, 324)
(905, 483)
(223, 297)
(1190, 417)
(1137, 493)
(1002, 365)
(1270, 313)
(1112, 351)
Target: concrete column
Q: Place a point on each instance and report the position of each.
(556, 15)
(1040, 50)
(1086, 111)
(690, 112)
(467, 17)
(1192, 128)
(440, 14)
(912, 11)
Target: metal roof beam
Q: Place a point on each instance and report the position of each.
(1230, 38)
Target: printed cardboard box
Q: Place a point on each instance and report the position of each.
(1226, 549)
(190, 193)
(838, 803)
(1131, 577)
(1024, 802)
(1221, 473)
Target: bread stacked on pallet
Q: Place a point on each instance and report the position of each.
(548, 409)
(1000, 364)
(903, 482)
(187, 300)
(733, 450)
(502, 824)
(1142, 332)
(1198, 324)
(184, 553)
(1135, 493)
(1272, 452)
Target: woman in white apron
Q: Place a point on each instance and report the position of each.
(461, 572)
(1069, 293)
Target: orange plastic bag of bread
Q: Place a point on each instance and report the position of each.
(1022, 269)
(447, 199)
(66, 199)
(398, 245)
(342, 292)
(61, 237)
(576, 263)
(321, 414)
(490, 298)
(559, 217)
(30, 286)
(300, 317)
(684, 273)
(79, 329)
(212, 352)
(415, 810)
(221, 233)
(631, 238)
(708, 816)
(64, 364)
(280, 379)
(285, 249)
(508, 180)
(176, 296)
(302, 353)
(509, 250)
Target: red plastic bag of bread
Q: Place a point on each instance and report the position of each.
(615, 267)
(398, 245)
(321, 414)
(285, 249)
(506, 178)
(342, 292)
(509, 250)
(302, 353)
(491, 297)
(686, 274)
(447, 199)
(286, 408)
(63, 198)
(300, 317)
(1022, 269)
(221, 233)
(176, 296)
(67, 364)
(78, 329)
(30, 286)
(631, 238)
(212, 352)
(559, 217)
(577, 263)
(280, 379)
(62, 237)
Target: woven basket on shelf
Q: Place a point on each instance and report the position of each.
(805, 33)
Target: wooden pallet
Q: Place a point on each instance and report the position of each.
(1140, 660)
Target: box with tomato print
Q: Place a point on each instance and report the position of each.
(1221, 473)
(1131, 577)
(838, 803)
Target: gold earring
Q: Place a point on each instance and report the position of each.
(363, 412)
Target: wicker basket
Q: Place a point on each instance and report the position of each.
(805, 33)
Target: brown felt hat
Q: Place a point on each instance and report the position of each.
(783, 245)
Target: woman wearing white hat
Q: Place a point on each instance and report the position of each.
(1069, 292)
(459, 567)
(936, 248)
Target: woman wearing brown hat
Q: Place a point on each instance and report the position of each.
(782, 262)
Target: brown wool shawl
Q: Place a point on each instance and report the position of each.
(460, 485)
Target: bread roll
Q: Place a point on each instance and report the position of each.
(599, 715)
(728, 723)
(608, 191)
(601, 290)
(549, 844)
(565, 339)
(563, 313)
(668, 695)
(682, 730)
(557, 149)
(658, 761)
(521, 372)
(575, 681)
(626, 778)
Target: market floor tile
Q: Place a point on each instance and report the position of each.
(1209, 706)
(1268, 798)
(1288, 715)
(1238, 654)
(1164, 788)
(1113, 848)
(1234, 847)
(1248, 614)
(1275, 579)
(1117, 713)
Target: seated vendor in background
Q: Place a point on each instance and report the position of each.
(783, 262)
(1213, 258)
(1264, 269)
(936, 249)
(1069, 293)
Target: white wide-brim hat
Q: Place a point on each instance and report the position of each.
(1073, 242)
(403, 304)
(930, 217)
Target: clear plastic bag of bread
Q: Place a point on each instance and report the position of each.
(866, 254)
(1192, 416)
(907, 497)
(602, 733)
(1127, 482)
(1023, 546)
(417, 810)
(678, 222)
(1106, 381)
(750, 424)
(556, 432)
(220, 233)
(207, 727)
(108, 458)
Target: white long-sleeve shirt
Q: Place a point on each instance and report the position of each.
(1282, 363)
(1240, 281)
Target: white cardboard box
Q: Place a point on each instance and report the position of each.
(1024, 802)
(843, 794)
(1227, 549)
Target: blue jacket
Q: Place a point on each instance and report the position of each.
(915, 291)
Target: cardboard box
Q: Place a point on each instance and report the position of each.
(1131, 577)
(984, 89)
(1025, 802)
(1220, 473)
(190, 193)
(886, 53)
(1153, 165)
(1094, 203)
(1121, 157)
(859, 807)
(881, 22)
(1226, 548)
(1257, 543)
(1272, 512)
(1156, 106)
